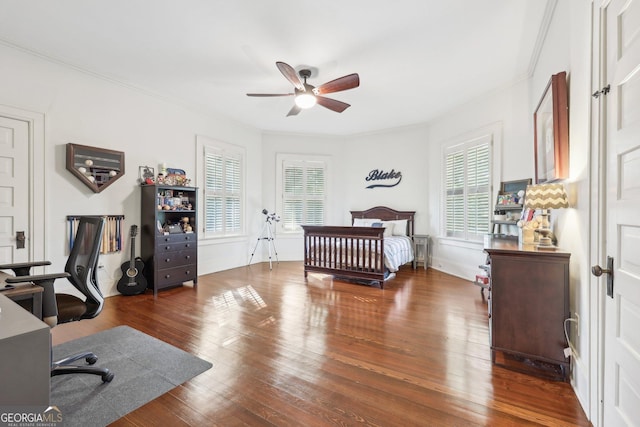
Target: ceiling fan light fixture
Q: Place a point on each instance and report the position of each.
(305, 100)
(306, 95)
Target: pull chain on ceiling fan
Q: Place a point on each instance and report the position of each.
(306, 95)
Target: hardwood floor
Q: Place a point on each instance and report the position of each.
(326, 352)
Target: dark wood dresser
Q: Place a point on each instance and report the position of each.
(528, 304)
(169, 243)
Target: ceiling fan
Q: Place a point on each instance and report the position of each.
(306, 95)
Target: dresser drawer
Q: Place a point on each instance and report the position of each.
(171, 259)
(176, 238)
(175, 276)
(173, 247)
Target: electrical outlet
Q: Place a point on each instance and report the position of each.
(577, 317)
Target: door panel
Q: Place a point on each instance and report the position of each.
(14, 188)
(622, 335)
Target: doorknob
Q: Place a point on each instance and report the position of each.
(20, 239)
(597, 271)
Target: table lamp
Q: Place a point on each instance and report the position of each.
(545, 197)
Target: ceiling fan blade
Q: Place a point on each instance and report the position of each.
(291, 75)
(332, 104)
(270, 94)
(343, 83)
(294, 110)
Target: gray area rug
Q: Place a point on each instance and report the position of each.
(144, 369)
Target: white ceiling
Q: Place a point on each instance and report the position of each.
(416, 58)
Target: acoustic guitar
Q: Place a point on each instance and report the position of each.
(132, 281)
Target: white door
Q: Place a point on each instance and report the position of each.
(622, 309)
(14, 190)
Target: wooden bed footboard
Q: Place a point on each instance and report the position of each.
(353, 252)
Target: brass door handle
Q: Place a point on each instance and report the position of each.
(597, 271)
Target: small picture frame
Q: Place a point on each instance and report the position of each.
(146, 173)
(506, 199)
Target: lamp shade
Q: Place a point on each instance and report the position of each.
(546, 196)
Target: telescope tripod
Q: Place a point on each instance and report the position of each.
(266, 235)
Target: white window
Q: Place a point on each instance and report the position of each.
(467, 189)
(223, 188)
(303, 191)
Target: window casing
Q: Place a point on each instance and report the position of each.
(467, 189)
(302, 188)
(223, 191)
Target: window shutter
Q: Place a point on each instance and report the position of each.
(478, 187)
(292, 216)
(233, 195)
(222, 192)
(454, 204)
(213, 206)
(303, 194)
(467, 182)
(315, 195)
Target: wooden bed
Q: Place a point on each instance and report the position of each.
(352, 252)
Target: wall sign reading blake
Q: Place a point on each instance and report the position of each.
(381, 175)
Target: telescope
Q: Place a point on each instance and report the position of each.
(271, 216)
(267, 236)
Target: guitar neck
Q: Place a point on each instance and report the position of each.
(133, 251)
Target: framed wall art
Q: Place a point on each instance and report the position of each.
(95, 167)
(551, 131)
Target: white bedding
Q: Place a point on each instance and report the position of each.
(398, 250)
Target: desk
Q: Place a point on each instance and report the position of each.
(25, 346)
(27, 295)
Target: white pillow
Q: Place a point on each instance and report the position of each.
(364, 222)
(388, 227)
(399, 227)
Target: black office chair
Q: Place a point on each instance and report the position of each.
(81, 271)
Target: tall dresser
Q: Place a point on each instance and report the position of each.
(169, 237)
(528, 304)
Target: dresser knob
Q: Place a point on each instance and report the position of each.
(167, 276)
(167, 260)
(167, 247)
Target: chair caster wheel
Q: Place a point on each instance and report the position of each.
(106, 378)
(91, 360)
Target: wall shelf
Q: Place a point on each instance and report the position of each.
(508, 228)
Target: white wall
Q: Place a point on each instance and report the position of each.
(567, 47)
(289, 245)
(403, 150)
(503, 113)
(415, 151)
(82, 109)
